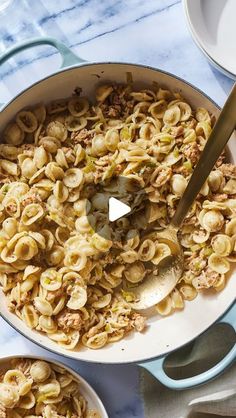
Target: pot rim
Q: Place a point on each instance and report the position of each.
(91, 64)
(94, 63)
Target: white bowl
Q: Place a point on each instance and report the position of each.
(86, 390)
(213, 28)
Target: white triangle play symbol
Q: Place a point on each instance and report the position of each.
(117, 209)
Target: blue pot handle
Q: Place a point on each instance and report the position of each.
(68, 57)
(156, 367)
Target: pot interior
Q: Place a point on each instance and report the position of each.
(163, 334)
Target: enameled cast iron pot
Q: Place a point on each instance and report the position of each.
(163, 335)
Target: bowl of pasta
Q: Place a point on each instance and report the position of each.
(65, 142)
(33, 386)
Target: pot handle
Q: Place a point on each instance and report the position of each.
(68, 57)
(156, 367)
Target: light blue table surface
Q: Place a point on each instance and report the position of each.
(151, 32)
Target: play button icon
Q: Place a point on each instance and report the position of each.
(117, 209)
(116, 206)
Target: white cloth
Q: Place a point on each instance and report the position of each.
(213, 400)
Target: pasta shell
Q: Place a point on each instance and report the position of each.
(185, 111)
(32, 213)
(43, 306)
(41, 157)
(75, 124)
(9, 395)
(162, 251)
(97, 341)
(26, 248)
(57, 130)
(28, 168)
(9, 226)
(222, 245)
(135, 272)
(72, 340)
(51, 280)
(50, 144)
(27, 121)
(158, 109)
(164, 307)
(40, 371)
(13, 134)
(218, 264)
(212, 220)
(178, 184)
(78, 106)
(230, 228)
(40, 113)
(73, 178)
(202, 115)
(75, 259)
(57, 106)
(172, 116)
(9, 167)
(146, 250)
(47, 324)
(103, 92)
(78, 298)
(30, 316)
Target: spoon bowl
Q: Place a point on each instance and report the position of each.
(156, 287)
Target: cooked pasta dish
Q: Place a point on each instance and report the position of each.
(62, 266)
(36, 388)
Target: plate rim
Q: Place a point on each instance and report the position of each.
(200, 45)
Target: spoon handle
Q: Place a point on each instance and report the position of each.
(217, 140)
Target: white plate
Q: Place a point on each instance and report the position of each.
(213, 27)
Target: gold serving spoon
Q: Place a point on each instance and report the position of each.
(155, 288)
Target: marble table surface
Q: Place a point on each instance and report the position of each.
(150, 32)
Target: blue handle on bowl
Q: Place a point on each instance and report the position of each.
(156, 367)
(68, 57)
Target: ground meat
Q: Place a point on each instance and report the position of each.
(84, 136)
(228, 170)
(67, 320)
(160, 176)
(12, 208)
(138, 322)
(23, 365)
(51, 296)
(69, 154)
(191, 124)
(206, 279)
(177, 131)
(192, 152)
(25, 298)
(33, 197)
(118, 104)
(220, 160)
(3, 411)
(197, 264)
(220, 197)
(182, 170)
(190, 220)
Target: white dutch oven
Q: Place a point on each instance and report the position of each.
(166, 334)
(94, 402)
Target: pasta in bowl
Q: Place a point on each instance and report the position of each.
(36, 387)
(59, 161)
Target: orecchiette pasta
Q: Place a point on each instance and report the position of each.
(36, 388)
(62, 266)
